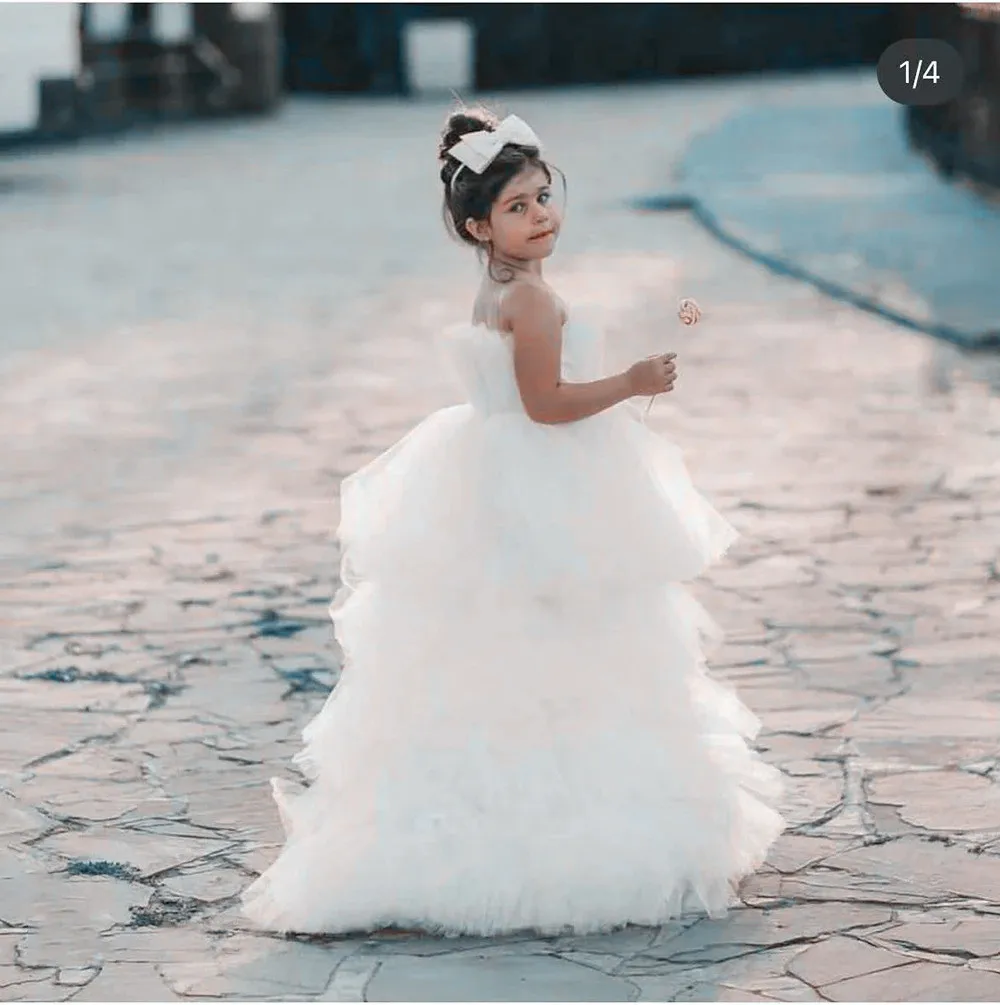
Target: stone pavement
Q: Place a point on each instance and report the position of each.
(204, 331)
(832, 193)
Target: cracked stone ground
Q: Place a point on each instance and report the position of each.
(204, 331)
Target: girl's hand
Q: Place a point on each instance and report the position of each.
(655, 375)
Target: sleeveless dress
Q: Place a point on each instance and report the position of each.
(524, 735)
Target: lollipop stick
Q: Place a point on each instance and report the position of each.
(689, 313)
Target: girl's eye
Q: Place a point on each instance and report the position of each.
(543, 198)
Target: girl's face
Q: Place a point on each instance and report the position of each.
(524, 221)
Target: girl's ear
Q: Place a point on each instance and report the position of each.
(479, 229)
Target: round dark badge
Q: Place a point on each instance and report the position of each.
(920, 71)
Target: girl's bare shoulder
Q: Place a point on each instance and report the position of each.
(530, 299)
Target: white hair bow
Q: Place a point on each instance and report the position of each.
(478, 150)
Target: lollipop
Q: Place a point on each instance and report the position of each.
(689, 314)
(688, 311)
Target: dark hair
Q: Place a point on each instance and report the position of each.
(471, 195)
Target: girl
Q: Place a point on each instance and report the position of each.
(524, 735)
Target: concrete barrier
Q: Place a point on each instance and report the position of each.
(38, 42)
(439, 56)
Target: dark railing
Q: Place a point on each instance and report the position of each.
(962, 137)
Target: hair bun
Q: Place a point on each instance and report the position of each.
(465, 120)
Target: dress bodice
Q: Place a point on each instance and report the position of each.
(484, 363)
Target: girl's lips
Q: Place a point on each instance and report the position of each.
(542, 236)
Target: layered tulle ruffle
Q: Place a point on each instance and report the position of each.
(524, 735)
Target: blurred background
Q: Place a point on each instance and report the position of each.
(74, 69)
(213, 190)
(202, 205)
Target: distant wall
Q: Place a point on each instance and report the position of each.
(356, 47)
(37, 40)
(565, 44)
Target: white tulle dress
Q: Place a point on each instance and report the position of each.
(524, 735)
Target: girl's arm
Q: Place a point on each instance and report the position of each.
(534, 319)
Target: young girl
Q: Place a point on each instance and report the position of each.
(524, 735)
